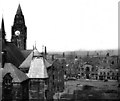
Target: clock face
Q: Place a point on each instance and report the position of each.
(17, 33)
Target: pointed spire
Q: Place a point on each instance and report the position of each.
(2, 25)
(3, 29)
(19, 10)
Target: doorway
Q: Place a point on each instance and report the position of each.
(87, 72)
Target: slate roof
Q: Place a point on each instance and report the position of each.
(38, 65)
(47, 64)
(26, 53)
(17, 75)
(37, 68)
(13, 54)
(26, 63)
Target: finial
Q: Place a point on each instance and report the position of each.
(2, 16)
(42, 48)
(35, 45)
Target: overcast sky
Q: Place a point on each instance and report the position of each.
(64, 25)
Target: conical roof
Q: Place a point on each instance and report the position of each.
(17, 75)
(37, 68)
(13, 54)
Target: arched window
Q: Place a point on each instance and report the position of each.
(7, 80)
(87, 69)
(92, 69)
(112, 62)
(7, 87)
(82, 74)
(82, 69)
(113, 74)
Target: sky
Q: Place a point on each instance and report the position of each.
(65, 25)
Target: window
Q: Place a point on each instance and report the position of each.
(112, 62)
(100, 73)
(82, 74)
(82, 69)
(92, 69)
(113, 74)
(53, 77)
(7, 79)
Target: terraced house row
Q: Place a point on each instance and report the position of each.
(94, 67)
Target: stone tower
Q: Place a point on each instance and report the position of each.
(19, 30)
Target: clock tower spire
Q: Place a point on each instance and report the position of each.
(19, 30)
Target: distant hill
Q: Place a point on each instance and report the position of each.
(100, 52)
(85, 52)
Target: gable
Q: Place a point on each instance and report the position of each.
(16, 74)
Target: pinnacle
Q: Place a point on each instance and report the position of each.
(2, 28)
(19, 10)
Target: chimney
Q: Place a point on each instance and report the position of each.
(53, 57)
(63, 55)
(45, 50)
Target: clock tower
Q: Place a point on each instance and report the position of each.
(19, 30)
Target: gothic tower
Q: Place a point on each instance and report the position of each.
(19, 30)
